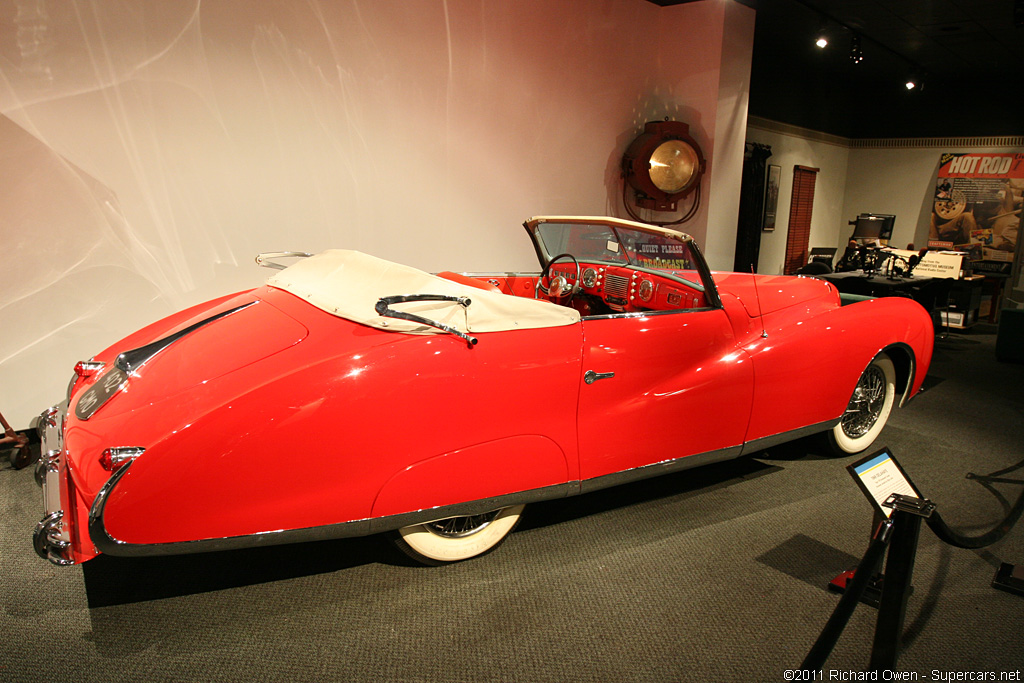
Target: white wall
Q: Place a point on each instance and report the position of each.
(149, 149)
(827, 219)
(726, 172)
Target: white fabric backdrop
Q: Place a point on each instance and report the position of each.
(149, 149)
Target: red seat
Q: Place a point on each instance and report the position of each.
(466, 280)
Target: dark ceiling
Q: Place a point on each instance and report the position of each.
(970, 54)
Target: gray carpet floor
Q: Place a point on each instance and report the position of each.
(715, 574)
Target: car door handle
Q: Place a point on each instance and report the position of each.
(590, 376)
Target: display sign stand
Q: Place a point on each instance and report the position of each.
(899, 535)
(878, 475)
(899, 569)
(901, 509)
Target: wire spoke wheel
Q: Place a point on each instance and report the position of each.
(866, 404)
(461, 527)
(868, 409)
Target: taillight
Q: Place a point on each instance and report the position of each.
(88, 368)
(114, 459)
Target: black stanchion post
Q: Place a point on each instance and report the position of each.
(899, 571)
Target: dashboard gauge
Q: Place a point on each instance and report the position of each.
(646, 290)
(589, 278)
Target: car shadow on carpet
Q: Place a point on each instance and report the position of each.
(122, 580)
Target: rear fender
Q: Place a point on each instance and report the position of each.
(295, 443)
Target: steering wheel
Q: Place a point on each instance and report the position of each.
(557, 286)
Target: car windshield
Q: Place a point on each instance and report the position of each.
(653, 248)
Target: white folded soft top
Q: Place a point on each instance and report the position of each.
(349, 284)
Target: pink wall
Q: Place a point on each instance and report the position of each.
(148, 150)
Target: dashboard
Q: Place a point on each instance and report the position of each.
(623, 289)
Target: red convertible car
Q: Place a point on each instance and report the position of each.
(435, 407)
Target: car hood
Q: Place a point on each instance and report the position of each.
(764, 294)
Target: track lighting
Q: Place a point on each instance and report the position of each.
(821, 37)
(856, 53)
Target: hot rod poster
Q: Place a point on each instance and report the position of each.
(977, 204)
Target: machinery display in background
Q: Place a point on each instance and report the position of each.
(866, 251)
(895, 264)
(861, 257)
(663, 165)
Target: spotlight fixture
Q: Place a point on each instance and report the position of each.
(911, 84)
(856, 53)
(663, 165)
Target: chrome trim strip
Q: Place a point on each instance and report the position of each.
(645, 314)
(129, 361)
(261, 259)
(117, 378)
(657, 469)
(476, 507)
(783, 437)
(103, 541)
(498, 274)
(109, 545)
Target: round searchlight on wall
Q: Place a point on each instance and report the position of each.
(663, 165)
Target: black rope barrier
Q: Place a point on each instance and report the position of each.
(946, 534)
(829, 636)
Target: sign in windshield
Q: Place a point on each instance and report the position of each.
(602, 243)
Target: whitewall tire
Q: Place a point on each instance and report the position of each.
(868, 410)
(457, 538)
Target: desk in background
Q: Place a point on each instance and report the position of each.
(952, 303)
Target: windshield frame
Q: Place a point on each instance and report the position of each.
(615, 225)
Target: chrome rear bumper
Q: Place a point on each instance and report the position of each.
(51, 539)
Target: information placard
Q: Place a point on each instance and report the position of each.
(879, 476)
